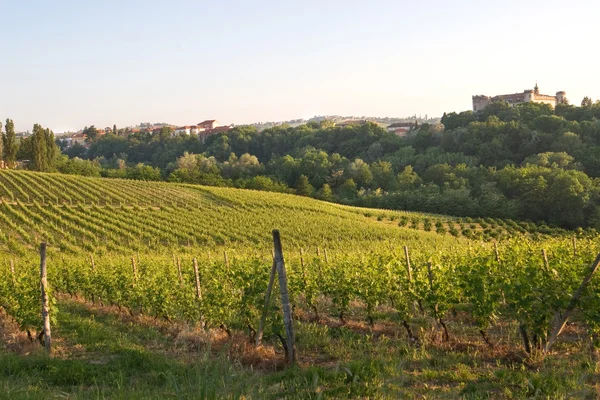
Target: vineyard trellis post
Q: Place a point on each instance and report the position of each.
(93, 272)
(12, 270)
(496, 253)
(134, 268)
(226, 258)
(326, 256)
(198, 287)
(285, 299)
(574, 246)
(546, 263)
(179, 271)
(45, 300)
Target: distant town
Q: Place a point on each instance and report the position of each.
(399, 126)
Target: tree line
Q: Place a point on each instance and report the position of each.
(530, 162)
(38, 151)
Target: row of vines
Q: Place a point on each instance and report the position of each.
(525, 284)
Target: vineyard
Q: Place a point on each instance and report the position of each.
(385, 304)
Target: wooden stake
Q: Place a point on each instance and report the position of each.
(45, 300)
(12, 270)
(263, 317)
(285, 299)
(408, 267)
(326, 257)
(546, 263)
(198, 288)
(179, 271)
(496, 253)
(93, 270)
(134, 269)
(561, 320)
(318, 252)
(197, 275)
(574, 246)
(226, 260)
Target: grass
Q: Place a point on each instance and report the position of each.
(100, 353)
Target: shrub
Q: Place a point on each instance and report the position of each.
(427, 224)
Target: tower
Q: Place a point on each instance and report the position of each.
(561, 97)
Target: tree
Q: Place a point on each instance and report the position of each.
(114, 130)
(347, 190)
(91, 133)
(325, 193)
(52, 150)
(586, 102)
(408, 178)
(40, 149)
(360, 172)
(303, 186)
(9, 140)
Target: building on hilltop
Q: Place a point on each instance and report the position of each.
(480, 102)
(402, 128)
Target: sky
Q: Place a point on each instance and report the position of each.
(70, 64)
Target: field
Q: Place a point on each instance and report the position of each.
(157, 291)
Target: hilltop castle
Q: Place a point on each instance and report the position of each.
(480, 102)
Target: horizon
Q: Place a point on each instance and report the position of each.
(73, 65)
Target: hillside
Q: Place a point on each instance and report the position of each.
(177, 274)
(96, 214)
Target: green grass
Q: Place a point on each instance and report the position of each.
(103, 354)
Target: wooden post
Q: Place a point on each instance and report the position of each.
(561, 320)
(12, 270)
(408, 267)
(546, 263)
(226, 258)
(574, 246)
(197, 275)
(45, 300)
(318, 252)
(179, 271)
(198, 288)
(134, 268)
(496, 253)
(93, 270)
(302, 263)
(263, 317)
(285, 299)
(326, 257)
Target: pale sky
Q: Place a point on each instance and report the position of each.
(66, 64)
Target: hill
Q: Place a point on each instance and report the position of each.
(77, 213)
(142, 305)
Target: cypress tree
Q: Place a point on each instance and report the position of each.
(115, 129)
(51, 151)
(9, 140)
(40, 150)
